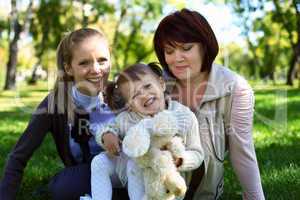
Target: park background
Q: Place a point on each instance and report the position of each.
(259, 39)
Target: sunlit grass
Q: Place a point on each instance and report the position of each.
(15, 110)
(276, 133)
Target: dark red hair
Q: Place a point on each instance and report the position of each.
(186, 26)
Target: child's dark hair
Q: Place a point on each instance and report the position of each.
(114, 97)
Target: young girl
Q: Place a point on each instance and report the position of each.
(139, 92)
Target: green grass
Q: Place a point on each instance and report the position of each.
(15, 110)
(276, 133)
(277, 141)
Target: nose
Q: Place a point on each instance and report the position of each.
(96, 67)
(178, 56)
(144, 94)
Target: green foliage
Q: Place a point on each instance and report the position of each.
(271, 29)
(50, 21)
(132, 40)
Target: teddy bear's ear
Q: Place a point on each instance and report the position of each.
(137, 141)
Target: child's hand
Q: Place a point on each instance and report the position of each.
(178, 162)
(111, 143)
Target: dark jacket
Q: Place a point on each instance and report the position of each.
(41, 123)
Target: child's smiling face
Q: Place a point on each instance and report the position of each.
(145, 96)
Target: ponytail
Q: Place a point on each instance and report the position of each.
(156, 68)
(114, 97)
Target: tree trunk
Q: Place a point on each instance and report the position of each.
(10, 81)
(85, 18)
(293, 63)
(296, 50)
(116, 38)
(291, 71)
(33, 79)
(11, 65)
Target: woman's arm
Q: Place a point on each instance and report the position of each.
(30, 140)
(241, 147)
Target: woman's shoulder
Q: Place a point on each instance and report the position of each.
(223, 72)
(227, 75)
(50, 105)
(43, 106)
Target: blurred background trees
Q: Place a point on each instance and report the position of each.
(271, 29)
(31, 31)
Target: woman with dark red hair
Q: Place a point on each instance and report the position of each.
(222, 100)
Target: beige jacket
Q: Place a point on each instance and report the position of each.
(218, 134)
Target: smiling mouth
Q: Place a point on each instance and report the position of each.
(94, 80)
(181, 67)
(149, 102)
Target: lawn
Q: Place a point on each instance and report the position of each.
(276, 133)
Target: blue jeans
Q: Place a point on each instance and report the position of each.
(73, 182)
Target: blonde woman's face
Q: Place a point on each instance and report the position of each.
(90, 65)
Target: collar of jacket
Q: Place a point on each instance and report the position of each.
(220, 83)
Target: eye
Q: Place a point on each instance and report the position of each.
(102, 61)
(169, 50)
(135, 95)
(148, 86)
(187, 47)
(84, 62)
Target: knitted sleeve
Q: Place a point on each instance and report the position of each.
(116, 127)
(189, 130)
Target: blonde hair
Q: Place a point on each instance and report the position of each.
(61, 94)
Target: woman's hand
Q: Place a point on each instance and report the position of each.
(111, 143)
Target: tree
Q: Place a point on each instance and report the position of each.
(53, 18)
(288, 15)
(91, 10)
(50, 21)
(132, 41)
(285, 17)
(15, 29)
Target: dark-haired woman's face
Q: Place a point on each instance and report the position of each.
(184, 59)
(90, 65)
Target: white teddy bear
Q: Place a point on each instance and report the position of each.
(153, 145)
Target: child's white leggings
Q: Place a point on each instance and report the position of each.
(104, 178)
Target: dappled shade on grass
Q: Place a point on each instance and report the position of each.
(277, 142)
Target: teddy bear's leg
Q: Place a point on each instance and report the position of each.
(163, 164)
(175, 183)
(155, 187)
